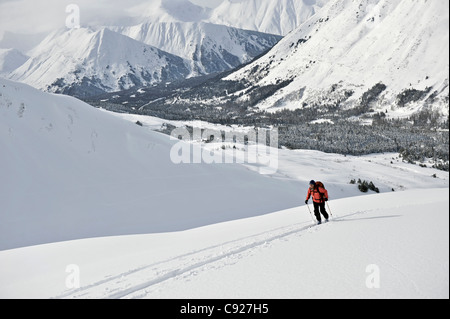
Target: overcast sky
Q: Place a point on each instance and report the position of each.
(35, 16)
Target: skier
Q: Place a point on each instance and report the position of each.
(319, 195)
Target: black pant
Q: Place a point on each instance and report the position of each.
(318, 209)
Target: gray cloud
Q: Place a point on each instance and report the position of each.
(26, 16)
(37, 16)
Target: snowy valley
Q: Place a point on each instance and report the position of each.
(93, 207)
(169, 157)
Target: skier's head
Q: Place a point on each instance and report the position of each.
(312, 183)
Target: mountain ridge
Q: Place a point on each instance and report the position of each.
(208, 47)
(90, 61)
(349, 48)
(85, 61)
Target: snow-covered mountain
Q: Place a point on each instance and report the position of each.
(376, 54)
(210, 40)
(83, 62)
(269, 16)
(266, 16)
(90, 61)
(185, 29)
(209, 48)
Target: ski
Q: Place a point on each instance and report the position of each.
(315, 224)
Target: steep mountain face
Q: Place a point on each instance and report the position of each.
(85, 62)
(388, 54)
(208, 47)
(275, 17)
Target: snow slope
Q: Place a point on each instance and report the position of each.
(91, 206)
(340, 54)
(389, 246)
(268, 16)
(83, 62)
(70, 171)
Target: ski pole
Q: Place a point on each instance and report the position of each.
(329, 209)
(310, 213)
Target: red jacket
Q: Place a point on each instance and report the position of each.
(318, 194)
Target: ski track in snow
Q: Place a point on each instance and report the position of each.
(137, 283)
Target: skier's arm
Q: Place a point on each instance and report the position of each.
(325, 194)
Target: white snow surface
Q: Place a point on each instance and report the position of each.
(89, 197)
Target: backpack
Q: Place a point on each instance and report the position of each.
(320, 184)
